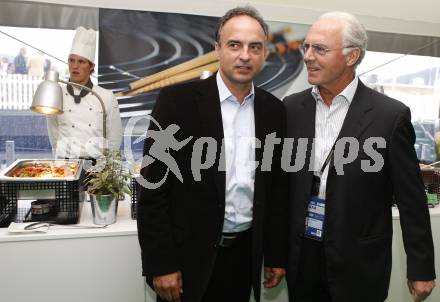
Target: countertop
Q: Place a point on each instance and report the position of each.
(124, 226)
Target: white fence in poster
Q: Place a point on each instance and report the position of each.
(17, 90)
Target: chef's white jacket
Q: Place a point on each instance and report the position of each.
(78, 131)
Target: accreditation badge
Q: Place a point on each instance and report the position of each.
(314, 225)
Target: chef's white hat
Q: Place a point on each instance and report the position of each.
(84, 43)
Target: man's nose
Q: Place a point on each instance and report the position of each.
(308, 54)
(244, 54)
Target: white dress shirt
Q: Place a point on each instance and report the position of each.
(328, 124)
(239, 132)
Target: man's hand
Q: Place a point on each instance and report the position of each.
(420, 290)
(169, 287)
(273, 276)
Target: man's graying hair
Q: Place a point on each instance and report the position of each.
(353, 34)
(236, 12)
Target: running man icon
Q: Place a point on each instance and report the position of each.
(163, 141)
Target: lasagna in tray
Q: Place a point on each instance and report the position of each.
(44, 170)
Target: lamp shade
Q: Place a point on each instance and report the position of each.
(48, 99)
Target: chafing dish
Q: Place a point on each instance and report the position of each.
(72, 168)
(65, 189)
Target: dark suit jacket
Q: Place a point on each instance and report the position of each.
(179, 224)
(358, 225)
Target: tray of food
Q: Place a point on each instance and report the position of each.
(43, 170)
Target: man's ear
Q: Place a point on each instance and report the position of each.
(353, 56)
(92, 67)
(217, 48)
(265, 50)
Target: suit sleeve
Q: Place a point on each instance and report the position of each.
(411, 200)
(154, 227)
(275, 237)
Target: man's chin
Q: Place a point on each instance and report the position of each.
(243, 79)
(313, 81)
(76, 80)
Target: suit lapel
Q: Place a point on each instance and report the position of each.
(259, 119)
(209, 111)
(357, 119)
(307, 118)
(307, 130)
(260, 131)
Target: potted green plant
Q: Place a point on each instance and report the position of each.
(106, 181)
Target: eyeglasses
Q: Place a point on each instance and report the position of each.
(319, 49)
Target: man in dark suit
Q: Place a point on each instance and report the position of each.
(204, 231)
(340, 216)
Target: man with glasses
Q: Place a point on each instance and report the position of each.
(341, 221)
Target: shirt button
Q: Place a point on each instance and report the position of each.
(70, 110)
(90, 125)
(73, 126)
(90, 109)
